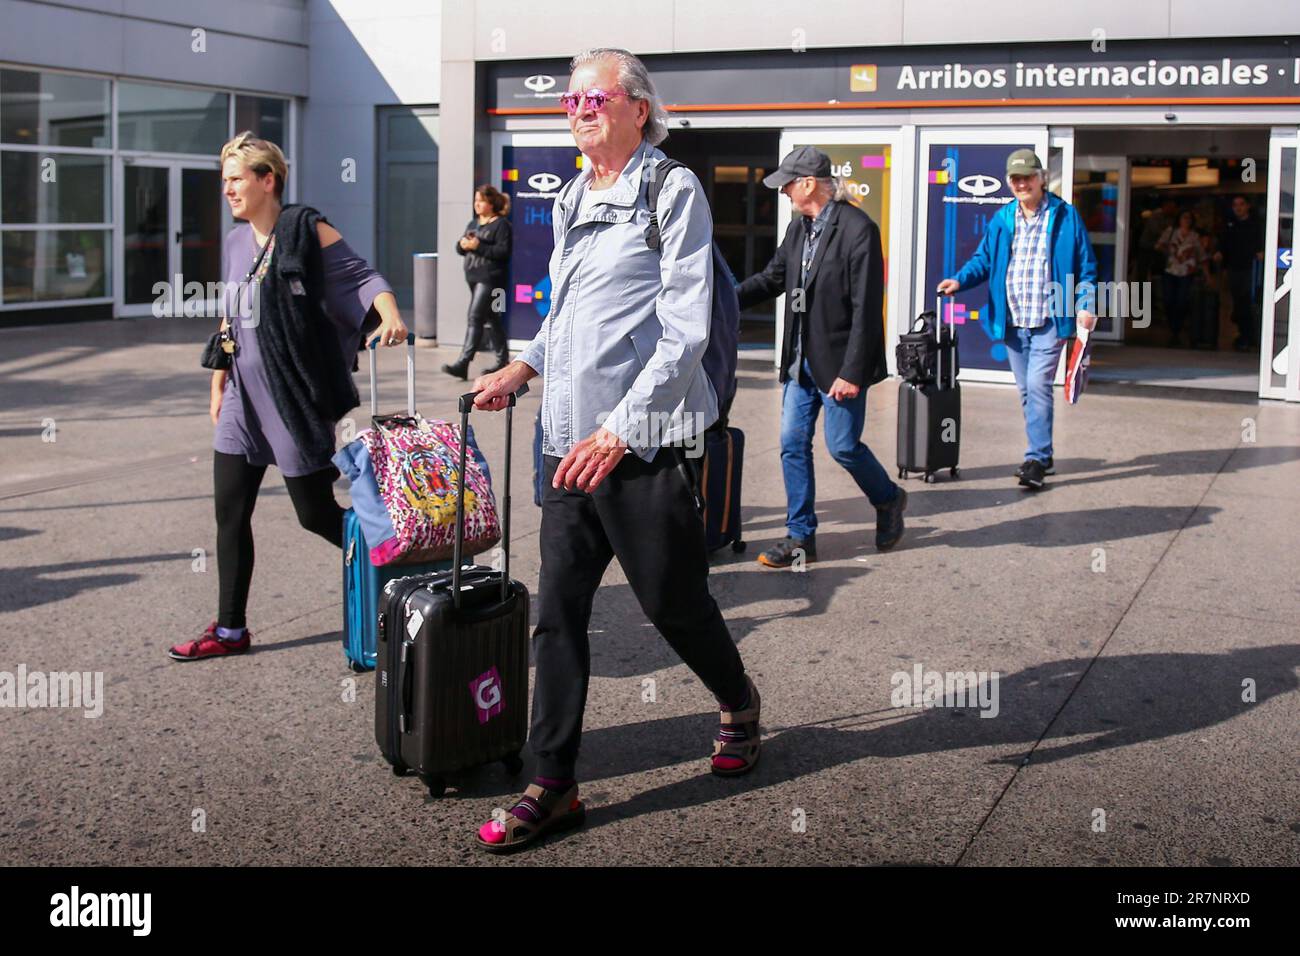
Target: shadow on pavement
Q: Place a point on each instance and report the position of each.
(619, 650)
(1130, 699)
(33, 586)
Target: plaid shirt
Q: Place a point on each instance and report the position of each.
(1028, 271)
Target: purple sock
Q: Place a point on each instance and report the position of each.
(741, 706)
(230, 634)
(527, 809)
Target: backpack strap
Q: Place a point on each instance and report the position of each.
(654, 183)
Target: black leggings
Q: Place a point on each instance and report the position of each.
(235, 483)
(484, 332)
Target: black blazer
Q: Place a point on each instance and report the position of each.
(490, 262)
(843, 301)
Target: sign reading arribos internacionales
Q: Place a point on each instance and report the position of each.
(1224, 71)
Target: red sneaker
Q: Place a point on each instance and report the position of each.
(209, 645)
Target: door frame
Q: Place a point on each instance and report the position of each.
(1119, 164)
(1280, 137)
(900, 141)
(174, 165)
(1040, 135)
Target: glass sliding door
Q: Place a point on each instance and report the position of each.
(1101, 197)
(199, 233)
(173, 223)
(866, 159)
(1279, 371)
(961, 182)
(146, 205)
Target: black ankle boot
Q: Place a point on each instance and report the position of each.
(458, 370)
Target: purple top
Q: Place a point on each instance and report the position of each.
(249, 423)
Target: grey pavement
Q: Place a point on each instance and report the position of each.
(1127, 610)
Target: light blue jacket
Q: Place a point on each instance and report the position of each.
(624, 339)
(1070, 254)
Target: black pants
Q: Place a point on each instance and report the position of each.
(1245, 311)
(235, 483)
(1178, 297)
(643, 514)
(484, 331)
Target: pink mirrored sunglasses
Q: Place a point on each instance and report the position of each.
(596, 99)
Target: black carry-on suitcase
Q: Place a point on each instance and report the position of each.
(929, 412)
(720, 483)
(452, 672)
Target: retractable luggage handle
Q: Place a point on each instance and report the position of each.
(410, 375)
(938, 341)
(466, 405)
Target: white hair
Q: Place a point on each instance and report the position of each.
(836, 189)
(635, 78)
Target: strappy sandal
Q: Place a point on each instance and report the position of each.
(515, 833)
(739, 737)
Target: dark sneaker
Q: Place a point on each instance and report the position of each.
(1048, 467)
(783, 553)
(1031, 474)
(495, 368)
(209, 645)
(889, 522)
(457, 370)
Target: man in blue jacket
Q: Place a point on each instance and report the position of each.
(1042, 277)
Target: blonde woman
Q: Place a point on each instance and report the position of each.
(297, 302)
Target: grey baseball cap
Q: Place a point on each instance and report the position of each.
(802, 161)
(1023, 162)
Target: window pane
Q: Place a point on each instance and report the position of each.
(266, 116)
(201, 225)
(408, 130)
(62, 187)
(52, 109)
(171, 120)
(64, 264)
(145, 200)
(410, 223)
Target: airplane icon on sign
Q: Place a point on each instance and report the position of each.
(862, 78)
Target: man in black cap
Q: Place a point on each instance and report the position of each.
(831, 270)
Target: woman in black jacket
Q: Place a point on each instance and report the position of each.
(486, 249)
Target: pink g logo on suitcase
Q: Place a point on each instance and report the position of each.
(486, 691)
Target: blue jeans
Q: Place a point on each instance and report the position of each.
(801, 401)
(1033, 355)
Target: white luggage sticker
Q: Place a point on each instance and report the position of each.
(414, 621)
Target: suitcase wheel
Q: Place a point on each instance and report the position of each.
(955, 471)
(513, 764)
(355, 667)
(902, 473)
(929, 477)
(400, 770)
(737, 546)
(437, 786)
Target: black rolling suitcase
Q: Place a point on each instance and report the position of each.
(452, 670)
(720, 480)
(929, 409)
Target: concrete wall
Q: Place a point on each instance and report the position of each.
(364, 54)
(250, 44)
(463, 128)
(513, 29)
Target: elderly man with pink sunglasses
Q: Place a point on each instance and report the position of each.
(621, 351)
